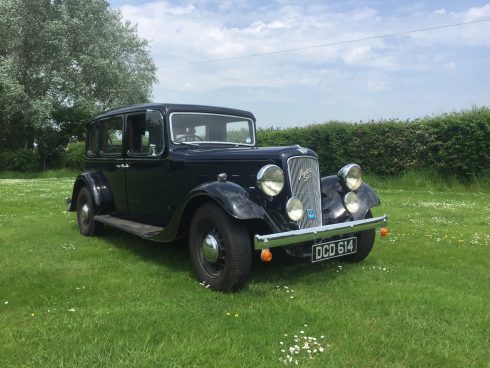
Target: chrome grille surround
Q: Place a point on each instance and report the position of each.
(304, 180)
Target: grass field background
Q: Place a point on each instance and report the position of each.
(421, 299)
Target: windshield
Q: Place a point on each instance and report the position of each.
(211, 128)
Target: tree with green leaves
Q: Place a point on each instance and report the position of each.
(61, 61)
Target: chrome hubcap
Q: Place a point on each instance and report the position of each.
(85, 213)
(210, 248)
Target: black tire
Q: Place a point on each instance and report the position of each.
(86, 213)
(365, 242)
(225, 266)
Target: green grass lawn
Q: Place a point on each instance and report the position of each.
(421, 299)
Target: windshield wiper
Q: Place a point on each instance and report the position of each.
(241, 142)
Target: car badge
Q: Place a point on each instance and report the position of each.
(310, 213)
(305, 174)
(302, 150)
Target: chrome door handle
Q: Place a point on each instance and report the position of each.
(122, 166)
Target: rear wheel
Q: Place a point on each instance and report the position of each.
(220, 249)
(86, 214)
(365, 242)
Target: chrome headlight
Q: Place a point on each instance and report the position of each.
(270, 180)
(351, 202)
(350, 176)
(294, 208)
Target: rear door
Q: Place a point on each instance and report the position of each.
(111, 161)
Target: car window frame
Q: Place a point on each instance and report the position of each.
(252, 121)
(127, 128)
(103, 154)
(96, 125)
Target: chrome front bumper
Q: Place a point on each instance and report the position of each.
(314, 233)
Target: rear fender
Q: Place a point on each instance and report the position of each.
(99, 189)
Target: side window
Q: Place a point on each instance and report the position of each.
(145, 133)
(111, 136)
(93, 139)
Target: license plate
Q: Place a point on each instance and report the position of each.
(333, 249)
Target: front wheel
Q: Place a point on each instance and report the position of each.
(220, 249)
(365, 242)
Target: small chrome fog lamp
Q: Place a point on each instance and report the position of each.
(351, 202)
(294, 208)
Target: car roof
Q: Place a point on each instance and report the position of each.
(170, 108)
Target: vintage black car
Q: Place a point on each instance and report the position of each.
(166, 171)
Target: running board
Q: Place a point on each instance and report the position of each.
(135, 228)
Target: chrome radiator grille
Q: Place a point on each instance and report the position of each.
(304, 178)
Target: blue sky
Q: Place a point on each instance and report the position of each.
(402, 77)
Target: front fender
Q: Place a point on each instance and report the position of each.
(233, 198)
(332, 200)
(99, 189)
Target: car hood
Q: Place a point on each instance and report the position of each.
(241, 153)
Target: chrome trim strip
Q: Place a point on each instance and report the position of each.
(319, 232)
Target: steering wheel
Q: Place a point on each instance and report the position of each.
(187, 138)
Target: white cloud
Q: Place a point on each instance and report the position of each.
(357, 55)
(205, 30)
(377, 85)
(182, 34)
(477, 13)
(450, 65)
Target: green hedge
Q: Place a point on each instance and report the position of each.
(29, 160)
(456, 144)
(23, 160)
(453, 144)
(73, 157)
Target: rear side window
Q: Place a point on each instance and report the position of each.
(92, 139)
(111, 136)
(145, 133)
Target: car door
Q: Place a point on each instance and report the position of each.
(147, 179)
(111, 162)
